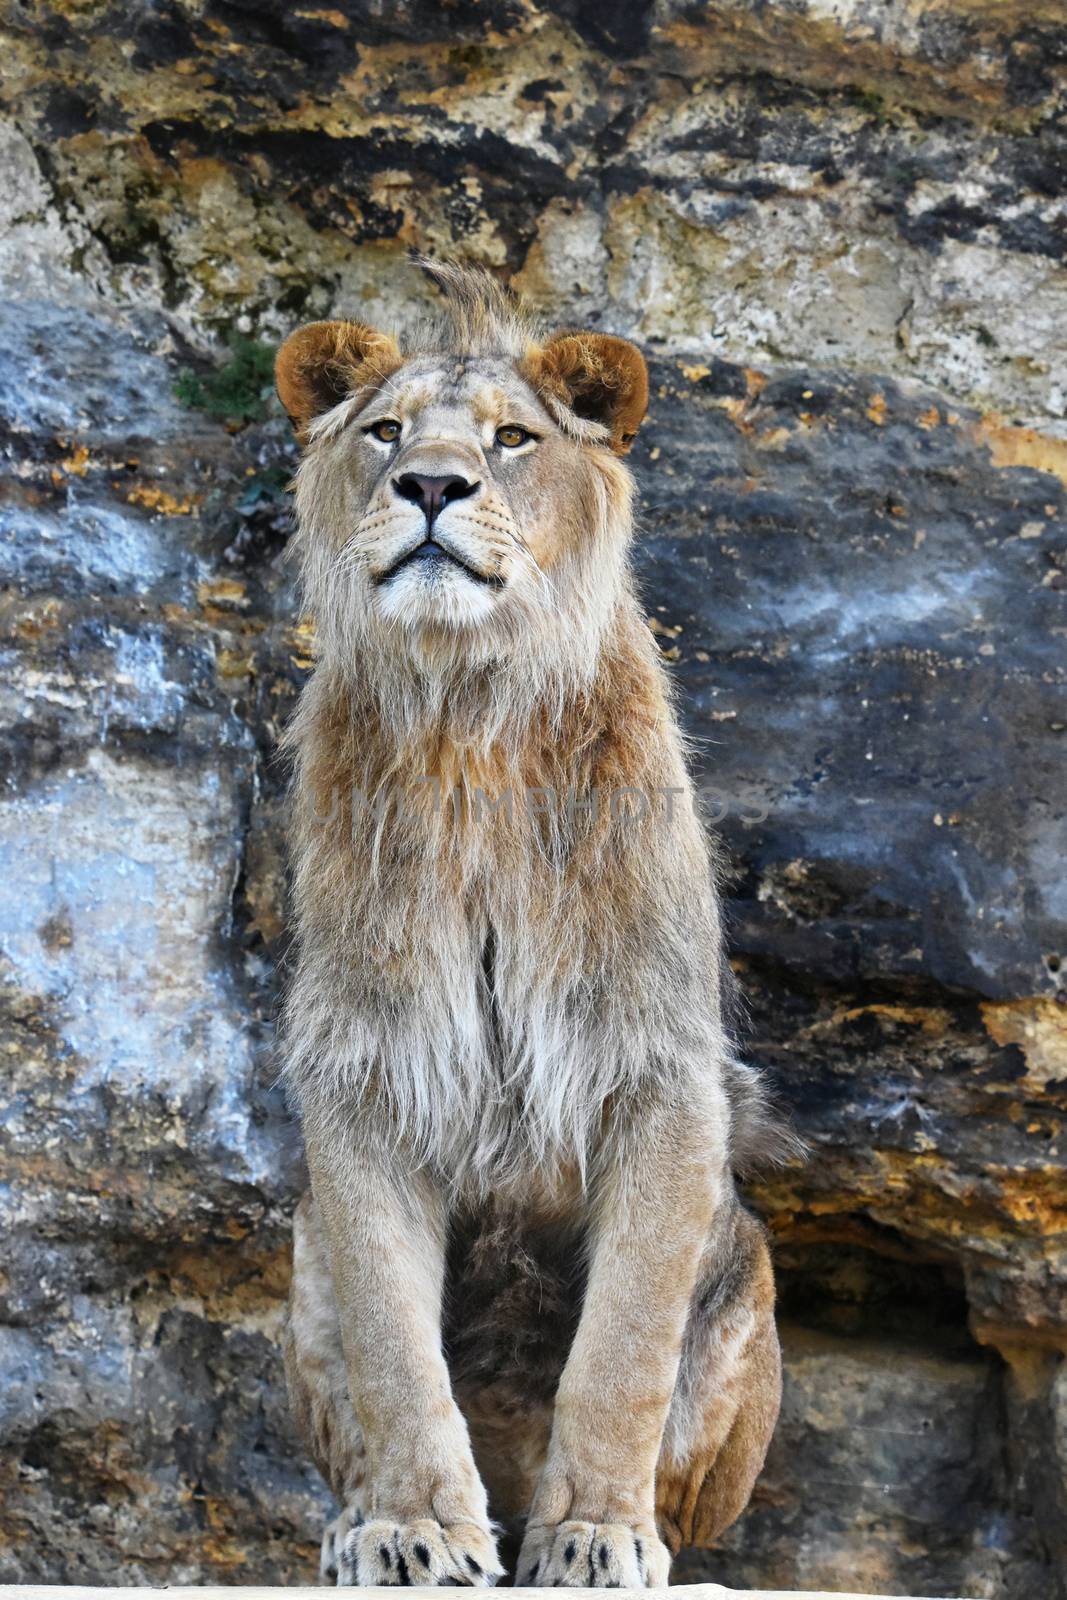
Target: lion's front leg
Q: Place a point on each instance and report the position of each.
(593, 1520)
(426, 1519)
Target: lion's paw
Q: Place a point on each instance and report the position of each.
(591, 1555)
(420, 1553)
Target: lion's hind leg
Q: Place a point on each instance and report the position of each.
(318, 1383)
(727, 1393)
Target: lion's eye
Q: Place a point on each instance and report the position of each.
(386, 430)
(511, 436)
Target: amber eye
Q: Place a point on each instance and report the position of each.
(511, 436)
(386, 430)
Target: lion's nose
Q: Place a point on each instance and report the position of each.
(432, 494)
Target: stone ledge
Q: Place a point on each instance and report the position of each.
(683, 1591)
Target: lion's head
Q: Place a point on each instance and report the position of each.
(462, 498)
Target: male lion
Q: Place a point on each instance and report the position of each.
(525, 1291)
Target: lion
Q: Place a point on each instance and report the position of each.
(527, 1302)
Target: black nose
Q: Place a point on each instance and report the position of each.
(432, 494)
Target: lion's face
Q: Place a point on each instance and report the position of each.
(459, 501)
(457, 494)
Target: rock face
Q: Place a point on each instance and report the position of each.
(840, 233)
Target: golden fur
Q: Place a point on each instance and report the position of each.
(504, 1029)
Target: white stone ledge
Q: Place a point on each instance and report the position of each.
(682, 1591)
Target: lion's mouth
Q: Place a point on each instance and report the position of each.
(430, 553)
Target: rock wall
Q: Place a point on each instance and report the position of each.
(839, 230)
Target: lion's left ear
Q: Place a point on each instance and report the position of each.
(322, 362)
(598, 377)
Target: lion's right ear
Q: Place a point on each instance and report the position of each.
(321, 363)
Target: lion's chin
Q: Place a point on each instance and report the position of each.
(438, 594)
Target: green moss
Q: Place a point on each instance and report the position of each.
(873, 104)
(238, 391)
(264, 489)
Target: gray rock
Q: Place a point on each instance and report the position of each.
(841, 239)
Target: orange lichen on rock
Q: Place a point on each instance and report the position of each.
(162, 501)
(1038, 1025)
(1010, 446)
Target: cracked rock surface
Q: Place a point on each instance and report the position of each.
(840, 234)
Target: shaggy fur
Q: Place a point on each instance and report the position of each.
(524, 1287)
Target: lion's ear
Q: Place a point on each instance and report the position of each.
(598, 377)
(321, 363)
